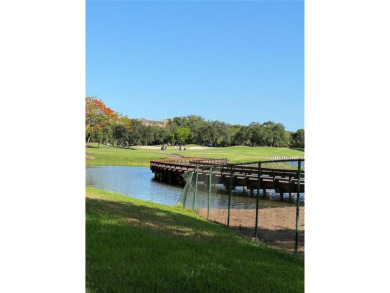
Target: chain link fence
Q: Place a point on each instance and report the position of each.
(261, 200)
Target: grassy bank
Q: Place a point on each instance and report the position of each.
(136, 246)
(138, 156)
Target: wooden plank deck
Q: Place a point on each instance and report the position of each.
(282, 181)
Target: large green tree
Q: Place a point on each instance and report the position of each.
(182, 135)
(242, 136)
(280, 136)
(134, 137)
(120, 134)
(298, 139)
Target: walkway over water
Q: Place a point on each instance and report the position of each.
(245, 175)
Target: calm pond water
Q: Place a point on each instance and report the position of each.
(295, 164)
(138, 182)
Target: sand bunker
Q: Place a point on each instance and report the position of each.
(151, 147)
(199, 148)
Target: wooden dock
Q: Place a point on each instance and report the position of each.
(281, 180)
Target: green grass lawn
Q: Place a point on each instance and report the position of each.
(115, 156)
(137, 156)
(137, 246)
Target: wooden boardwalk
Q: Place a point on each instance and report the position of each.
(281, 180)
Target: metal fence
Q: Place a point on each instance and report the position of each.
(262, 200)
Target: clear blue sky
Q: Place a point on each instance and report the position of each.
(237, 62)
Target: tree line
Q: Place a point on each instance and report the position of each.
(108, 127)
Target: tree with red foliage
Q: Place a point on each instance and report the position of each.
(97, 116)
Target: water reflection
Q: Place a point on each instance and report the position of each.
(295, 164)
(132, 181)
(138, 182)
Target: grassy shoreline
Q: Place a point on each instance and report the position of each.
(138, 246)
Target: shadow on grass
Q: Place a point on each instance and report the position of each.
(162, 223)
(134, 248)
(153, 220)
(299, 149)
(281, 238)
(125, 147)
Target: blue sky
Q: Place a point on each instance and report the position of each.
(232, 61)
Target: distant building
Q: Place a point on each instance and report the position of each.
(147, 122)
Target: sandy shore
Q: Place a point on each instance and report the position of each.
(276, 226)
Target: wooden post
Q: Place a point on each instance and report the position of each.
(209, 193)
(298, 199)
(257, 198)
(230, 195)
